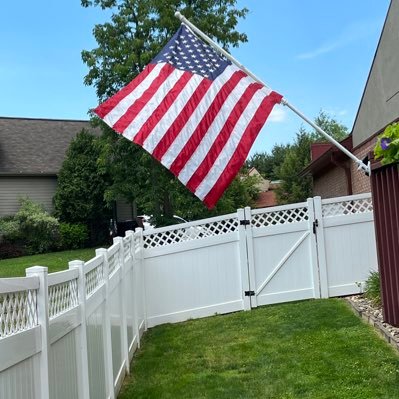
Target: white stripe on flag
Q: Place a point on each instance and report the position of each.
(224, 157)
(214, 129)
(196, 117)
(166, 121)
(158, 96)
(120, 109)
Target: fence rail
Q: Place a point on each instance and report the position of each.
(72, 334)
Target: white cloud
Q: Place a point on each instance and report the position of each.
(350, 34)
(323, 49)
(336, 112)
(278, 115)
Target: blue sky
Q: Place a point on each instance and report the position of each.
(316, 53)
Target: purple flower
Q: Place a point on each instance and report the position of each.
(385, 141)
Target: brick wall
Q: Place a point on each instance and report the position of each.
(361, 182)
(331, 183)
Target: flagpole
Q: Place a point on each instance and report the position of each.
(361, 165)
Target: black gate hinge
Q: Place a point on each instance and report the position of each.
(244, 222)
(249, 293)
(315, 224)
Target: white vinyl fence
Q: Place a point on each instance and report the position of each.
(72, 334)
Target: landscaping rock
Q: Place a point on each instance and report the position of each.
(371, 313)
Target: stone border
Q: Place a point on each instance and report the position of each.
(373, 316)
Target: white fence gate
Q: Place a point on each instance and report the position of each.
(315, 249)
(72, 334)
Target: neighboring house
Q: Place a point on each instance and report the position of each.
(31, 155)
(333, 173)
(267, 195)
(331, 169)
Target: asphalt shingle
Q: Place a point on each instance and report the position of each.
(36, 146)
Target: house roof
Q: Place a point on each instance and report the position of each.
(36, 146)
(326, 156)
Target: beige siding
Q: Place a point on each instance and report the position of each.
(380, 103)
(39, 189)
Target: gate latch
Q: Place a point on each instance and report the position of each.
(315, 224)
(249, 293)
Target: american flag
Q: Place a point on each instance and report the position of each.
(194, 111)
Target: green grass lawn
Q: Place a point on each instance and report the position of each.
(311, 349)
(55, 261)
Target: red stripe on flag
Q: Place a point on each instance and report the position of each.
(162, 108)
(223, 136)
(205, 122)
(242, 150)
(126, 119)
(180, 121)
(106, 107)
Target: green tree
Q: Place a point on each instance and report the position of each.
(137, 31)
(81, 185)
(267, 163)
(295, 188)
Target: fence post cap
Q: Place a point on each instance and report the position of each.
(100, 251)
(75, 263)
(36, 270)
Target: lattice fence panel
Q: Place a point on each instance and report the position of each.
(127, 247)
(18, 312)
(363, 205)
(280, 217)
(62, 297)
(113, 262)
(94, 278)
(136, 243)
(191, 233)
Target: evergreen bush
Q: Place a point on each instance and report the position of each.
(73, 235)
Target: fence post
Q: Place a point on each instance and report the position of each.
(251, 259)
(321, 249)
(133, 284)
(242, 247)
(143, 274)
(313, 249)
(124, 340)
(136, 265)
(108, 366)
(81, 336)
(43, 320)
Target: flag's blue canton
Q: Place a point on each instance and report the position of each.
(187, 52)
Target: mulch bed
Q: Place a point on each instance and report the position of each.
(372, 314)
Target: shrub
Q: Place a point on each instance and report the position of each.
(38, 229)
(73, 235)
(373, 289)
(10, 250)
(9, 229)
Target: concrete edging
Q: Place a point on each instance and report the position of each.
(377, 324)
